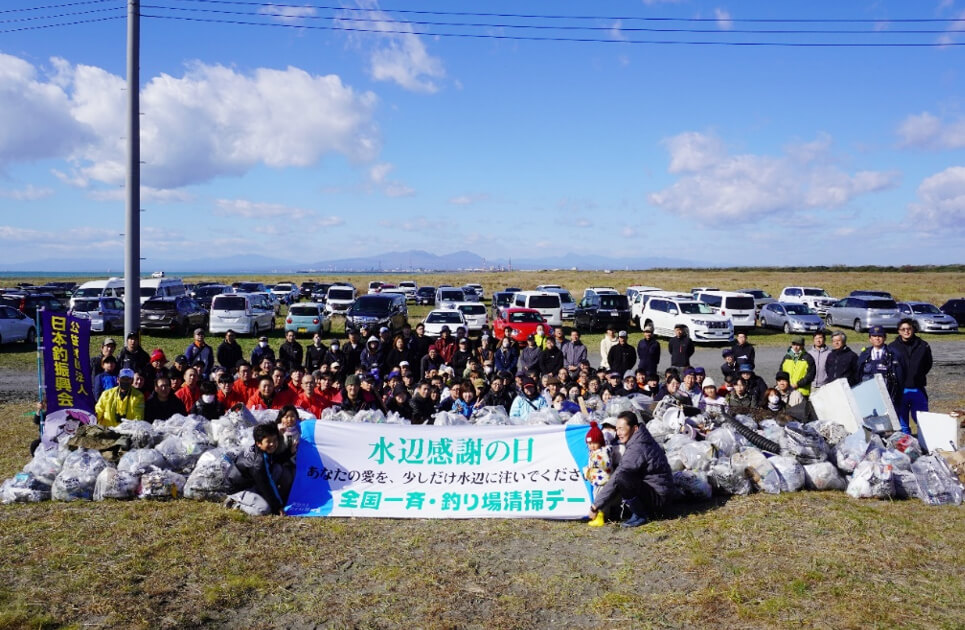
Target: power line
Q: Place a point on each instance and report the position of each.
(566, 39)
(74, 23)
(58, 6)
(565, 27)
(57, 16)
(585, 17)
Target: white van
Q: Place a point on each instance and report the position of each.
(739, 307)
(448, 297)
(112, 287)
(339, 299)
(244, 313)
(547, 303)
(161, 287)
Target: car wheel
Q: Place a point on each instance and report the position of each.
(828, 321)
(272, 324)
(31, 337)
(254, 330)
(763, 323)
(787, 328)
(857, 325)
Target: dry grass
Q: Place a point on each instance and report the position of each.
(808, 559)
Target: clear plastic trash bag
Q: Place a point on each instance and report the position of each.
(851, 451)
(45, 465)
(141, 460)
(724, 441)
(24, 487)
(547, 415)
(906, 444)
(449, 418)
(823, 476)
(213, 478)
(249, 502)
(791, 472)
(115, 484)
(697, 456)
(691, 485)
(803, 443)
(161, 485)
(872, 478)
(832, 432)
(141, 433)
(77, 478)
(938, 484)
(491, 415)
(727, 480)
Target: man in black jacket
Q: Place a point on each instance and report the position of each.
(648, 352)
(551, 358)
(291, 352)
(163, 403)
(133, 356)
(621, 356)
(315, 354)
(743, 350)
(643, 479)
(916, 355)
(229, 352)
(681, 348)
(421, 404)
(842, 362)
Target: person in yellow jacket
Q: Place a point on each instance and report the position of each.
(799, 366)
(121, 402)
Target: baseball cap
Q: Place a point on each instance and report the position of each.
(263, 338)
(746, 367)
(132, 335)
(199, 331)
(622, 333)
(876, 331)
(709, 382)
(352, 379)
(797, 341)
(109, 341)
(180, 359)
(782, 376)
(383, 330)
(699, 370)
(126, 373)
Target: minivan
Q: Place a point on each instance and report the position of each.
(377, 310)
(475, 314)
(548, 304)
(863, 313)
(447, 296)
(740, 307)
(243, 313)
(160, 288)
(339, 298)
(112, 287)
(105, 314)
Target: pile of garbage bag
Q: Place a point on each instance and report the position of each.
(709, 453)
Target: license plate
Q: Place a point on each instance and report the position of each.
(154, 317)
(301, 330)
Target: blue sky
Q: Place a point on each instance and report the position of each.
(312, 144)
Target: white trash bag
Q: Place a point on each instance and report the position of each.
(249, 502)
(115, 484)
(77, 478)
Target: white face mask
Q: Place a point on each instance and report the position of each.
(773, 398)
(487, 369)
(263, 344)
(505, 343)
(609, 434)
(208, 398)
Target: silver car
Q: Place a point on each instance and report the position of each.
(928, 317)
(790, 317)
(861, 313)
(105, 313)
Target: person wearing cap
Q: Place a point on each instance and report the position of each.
(385, 336)
(842, 361)
(290, 351)
(350, 399)
(782, 385)
(598, 468)
(680, 347)
(528, 400)
(800, 368)
(643, 479)
(107, 377)
(229, 351)
(551, 358)
(107, 348)
(729, 366)
(755, 384)
(709, 397)
(200, 351)
(915, 355)
(699, 375)
(609, 340)
(430, 363)
(445, 345)
(573, 351)
(820, 352)
(120, 403)
(630, 383)
(552, 387)
(614, 384)
(163, 404)
(399, 402)
(159, 360)
(648, 351)
(261, 352)
(744, 351)
(688, 384)
(881, 359)
(133, 356)
(621, 357)
(651, 386)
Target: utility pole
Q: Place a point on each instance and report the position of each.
(132, 236)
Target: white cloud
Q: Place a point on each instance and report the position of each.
(468, 200)
(287, 14)
(245, 209)
(716, 187)
(61, 240)
(941, 202)
(148, 195)
(28, 193)
(213, 121)
(399, 57)
(927, 131)
(616, 31)
(724, 20)
(628, 231)
(953, 31)
(379, 173)
(417, 224)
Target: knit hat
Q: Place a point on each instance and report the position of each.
(709, 382)
(158, 355)
(595, 435)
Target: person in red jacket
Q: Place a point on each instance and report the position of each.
(326, 390)
(265, 397)
(189, 392)
(445, 345)
(309, 399)
(227, 395)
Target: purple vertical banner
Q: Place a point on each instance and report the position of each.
(66, 362)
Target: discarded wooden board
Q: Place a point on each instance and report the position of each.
(937, 430)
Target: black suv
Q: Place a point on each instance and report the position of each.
(29, 303)
(955, 308)
(377, 310)
(597, 310)
(180, 314)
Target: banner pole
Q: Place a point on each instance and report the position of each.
(40, 369)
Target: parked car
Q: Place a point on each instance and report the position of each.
(470, 292)
(790, 317)
(180, 314)
(374, 287)
(159, 287)
(818, 299)
(16, 326)
(436, 319)
(567, 303)
(761, 297)
(598, 310)
(956, 308)
(548, 304)
(377, 310)
(475, 314)
(320, 292)
(244, 313)
(307, 318)
(641, 297)
(410, 288)
(739, 307)
(339, 299)
(700, 321)
(111, 287)
(862, 313)
(105, 313)
(306, 289)
(249, 287)
(501, 300)
(695, 290)
(447, 296)
(425, 296)
(29, 303)
(523, 322)
(204, 294)
(513, 289)
(285, 292)
(477, 289)
(928, 317)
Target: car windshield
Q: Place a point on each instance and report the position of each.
(925, 308)
(525, 318)
(816, 292)
(565, 297)
(451, 296)
(284, 288)
(85, 306)
(797, 309)
(209, 291)
(147, 292)
(473, 309)
(544, 301)
(889, 304)
(614, 301)
(229, 303)
(425, 291)
(158, 305)
(757, 293)
(371, 305)
(504, 299)
(448, 317)
(695, 308)
(89, 292)
(339, 294)
(303, 310)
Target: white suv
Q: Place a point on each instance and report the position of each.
(639, 301)
(739, 307)
(700, 321)
(818, 299)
